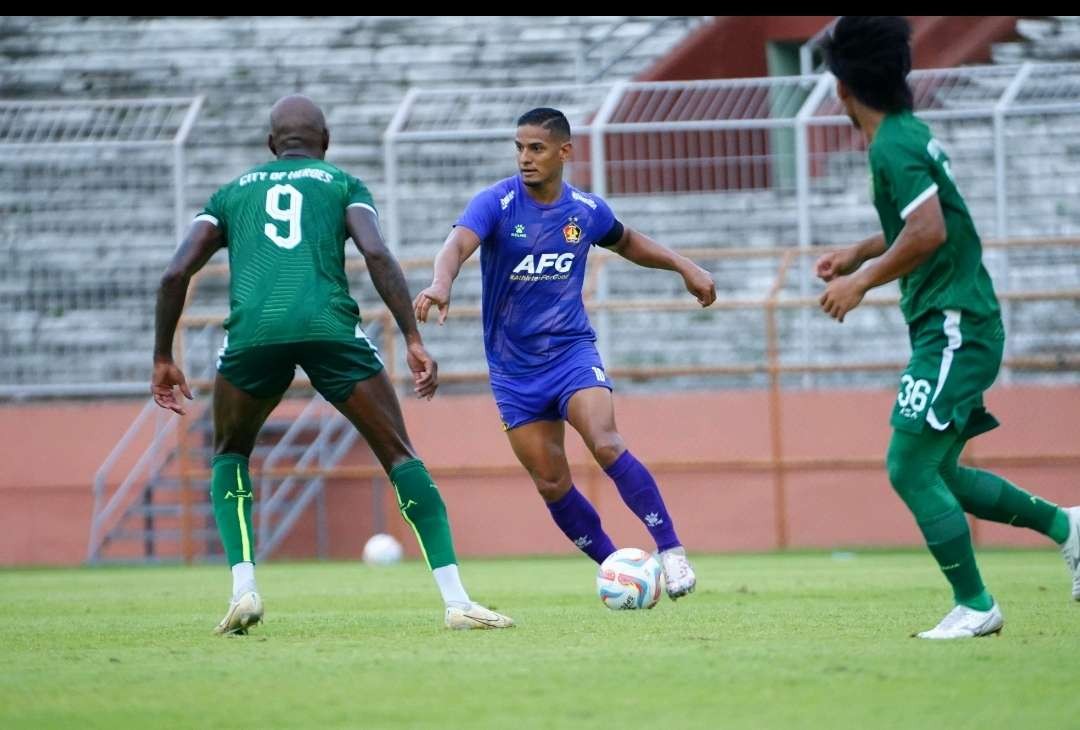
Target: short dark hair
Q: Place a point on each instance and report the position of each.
(550, 119)
(871, 54)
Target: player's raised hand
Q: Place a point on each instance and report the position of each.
(425, 370)
(166, 377)
(699, 282)
(435, 294)
(836, 263)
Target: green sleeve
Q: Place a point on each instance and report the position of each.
(908, 173)
(359, 195)
(214, 210)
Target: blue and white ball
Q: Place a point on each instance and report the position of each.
(629, 579)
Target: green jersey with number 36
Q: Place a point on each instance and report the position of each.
(284, 225)
(908, 167)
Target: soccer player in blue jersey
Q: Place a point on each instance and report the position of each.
(534, 232)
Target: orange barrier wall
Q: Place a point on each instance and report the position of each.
(711, 453)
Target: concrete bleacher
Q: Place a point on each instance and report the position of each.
(78, 304)
(1055, 38)
(358, 68)
(101, 269)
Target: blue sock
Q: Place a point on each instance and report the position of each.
(579, 521)
(638, 489)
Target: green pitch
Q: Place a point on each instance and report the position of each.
(768, 641)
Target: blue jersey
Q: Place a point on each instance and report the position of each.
(532, 260)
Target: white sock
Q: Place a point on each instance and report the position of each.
(243, 579)
(453, 593)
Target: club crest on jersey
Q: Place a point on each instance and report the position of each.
(572, 231)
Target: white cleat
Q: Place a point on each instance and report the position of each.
(244, 612)
(678, 575)
(1070, 550)
(966, 623)
(476, 617)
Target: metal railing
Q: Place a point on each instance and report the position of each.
(85, 184)
(778, 298)
(781, 295)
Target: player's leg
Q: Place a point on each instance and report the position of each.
(238, 416)
(591, 411)
(539, 447)
(990, 497)
(351, 377)
(914, 464)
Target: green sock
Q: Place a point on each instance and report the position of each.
(990, 497)
(915, 463)
(949, 540)
(230, 492)
(1059, 528)
(422, 507)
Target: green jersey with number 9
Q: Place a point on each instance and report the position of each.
(284, 225)
(908, 167)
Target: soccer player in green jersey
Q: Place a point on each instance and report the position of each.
(929, 243)
(285, 224)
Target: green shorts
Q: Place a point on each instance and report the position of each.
(955, 357)
(265, 371)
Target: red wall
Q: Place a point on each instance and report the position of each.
(733, 46)
(709, 452)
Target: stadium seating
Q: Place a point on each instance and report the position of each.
(77, 282)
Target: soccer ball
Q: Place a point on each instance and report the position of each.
(382, 549)
(629, 579)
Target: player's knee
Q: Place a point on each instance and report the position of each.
(907, 471)
(608, 448)
(552, 488)
(233, 445)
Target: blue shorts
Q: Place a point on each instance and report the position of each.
(543, 394)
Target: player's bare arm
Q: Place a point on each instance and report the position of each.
(923, 232)
(644, 251)
(455, 251)
(202, 240)
(847, 260)
(389, 281)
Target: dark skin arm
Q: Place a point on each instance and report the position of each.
(923, 232)
(643, 251)
(202, 240)
(389, 281)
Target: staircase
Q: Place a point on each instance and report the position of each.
(152, 493)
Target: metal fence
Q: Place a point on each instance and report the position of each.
(91, 206)
(92, 209)
(769, 162)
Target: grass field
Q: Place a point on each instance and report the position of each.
(768, 641)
